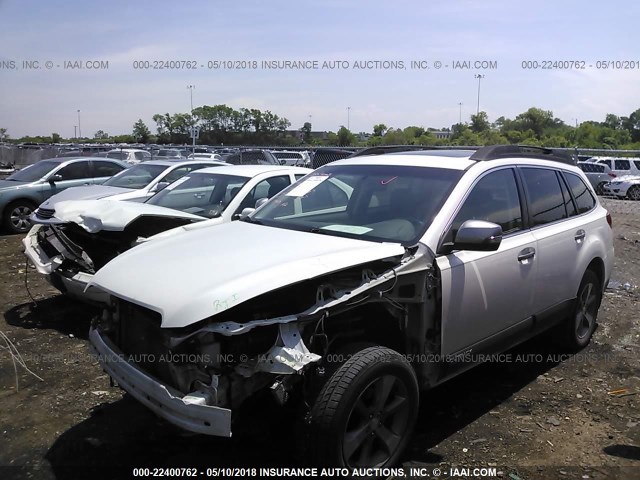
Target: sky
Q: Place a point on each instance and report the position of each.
(43, 100)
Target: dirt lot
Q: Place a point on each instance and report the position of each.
(538, 415)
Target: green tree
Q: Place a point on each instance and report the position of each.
(536, 120)
(55, 138)
(306, 132)
(612, 121)
(480, 122)
(379, 130)
(345, 137)
(140, 131)
(394, 136)
(3, 134)
(101, 135)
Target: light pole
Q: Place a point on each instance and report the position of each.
(75, 132)
(460, 115)
(479, 77)
(79, 128)
(193, 129)
(349, 118)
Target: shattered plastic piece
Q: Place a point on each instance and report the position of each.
(613, 285)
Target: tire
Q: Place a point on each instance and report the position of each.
(634, 192)
(16, 216)
(365, 413)
(581, 324)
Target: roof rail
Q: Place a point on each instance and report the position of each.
(382, 149)
(495, 152)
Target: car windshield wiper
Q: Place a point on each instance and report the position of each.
(251, 220)
(319, 230)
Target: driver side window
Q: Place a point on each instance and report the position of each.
(75, 171)
(493, 199)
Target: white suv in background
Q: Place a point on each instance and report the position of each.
(130, 155)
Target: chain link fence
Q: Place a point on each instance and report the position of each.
(21, 156)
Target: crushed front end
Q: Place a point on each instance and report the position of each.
(195, 376)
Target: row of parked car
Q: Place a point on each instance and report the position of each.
(345, 290)
(618, 177)
(133, 156)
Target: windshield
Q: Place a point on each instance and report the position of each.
(168, 153)
(118, 155)
(287, 155)
(136, 177)
(204, 194)
(34, 172)
(370, 202)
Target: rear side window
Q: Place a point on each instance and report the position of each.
(623, 165)
(637, 164)
(591, 167)
(606, 162)
(581, 193)
(75, 171)
(105, 169)
(546, 201)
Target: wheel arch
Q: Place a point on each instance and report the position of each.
(597, 266)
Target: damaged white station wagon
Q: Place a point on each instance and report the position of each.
(369, 280)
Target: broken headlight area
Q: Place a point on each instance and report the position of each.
(280, 336)
(209, 364)
(83, 251)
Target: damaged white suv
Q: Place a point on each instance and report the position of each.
(371, 279)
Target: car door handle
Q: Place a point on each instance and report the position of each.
(526, 254)
(198, 195)
(579, 236)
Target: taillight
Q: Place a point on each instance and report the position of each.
(612, 175)
(609, 221)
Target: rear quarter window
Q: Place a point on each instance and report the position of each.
(581, 193)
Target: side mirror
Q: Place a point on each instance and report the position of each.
(159, 186)
(260, 202)
(246, 212)
(478, 235)
(55, 178)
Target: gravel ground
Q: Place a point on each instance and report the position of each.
(539, 415)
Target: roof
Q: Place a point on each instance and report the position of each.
(253, 170)
(72, 159)
(437, 160)
(173, 163)
(127, 150)
(459, 159)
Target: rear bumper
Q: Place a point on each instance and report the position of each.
(163, 400)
